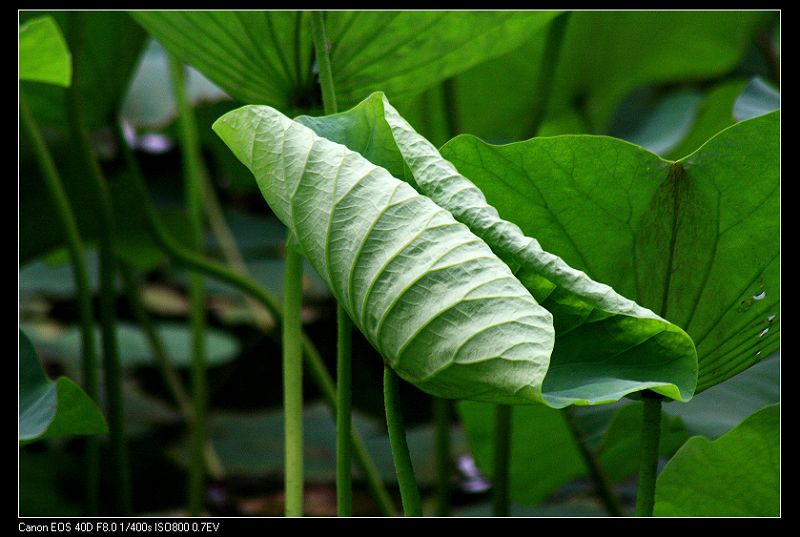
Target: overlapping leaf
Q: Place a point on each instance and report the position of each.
(266, 57)
(50, 409)
(608, 346)
(446, 313)
(696, 240)
(736, 475)
(43, 53)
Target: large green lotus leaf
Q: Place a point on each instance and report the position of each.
(606, 345)
(112, 46)
(267, 57)
(737, 474)
(50, 409)
(429, 295)
(43, 53)
(696, 240)
(604, 56)
(403, 53)
(255, 56)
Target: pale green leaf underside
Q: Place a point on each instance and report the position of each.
(606, 345)
(429, 295)
(736, 475)
(43, 53)
(266, 58)
(50, 409)
(697, 242)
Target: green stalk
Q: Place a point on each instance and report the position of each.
(293, 379)
(108, 292)
(409, 493)
(597, 473)
(648, 463)
(193, 174)
(202, 264)
(501, 498)
(442, 416)
(320, 38)
(544, 83)
(80, 274)
(344, 407)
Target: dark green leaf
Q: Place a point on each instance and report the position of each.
(695, 241)
(266, 57)
(43, 53)
(256, 56)
(404, 53)
(50, 409)
(606, 54)
(736, 475)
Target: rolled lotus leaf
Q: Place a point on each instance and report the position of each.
(430, 296)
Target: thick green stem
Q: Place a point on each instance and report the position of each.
(597, 473)
(293, 379)
(442, 415)
(80, 274)
(344, 405)
(320, 38)
(544, 83)
(314, 363)
(108, 292)
(648, 463)
(501, 497)
(193, 192)
(409, 493)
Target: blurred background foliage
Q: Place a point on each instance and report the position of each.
(664, 80)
